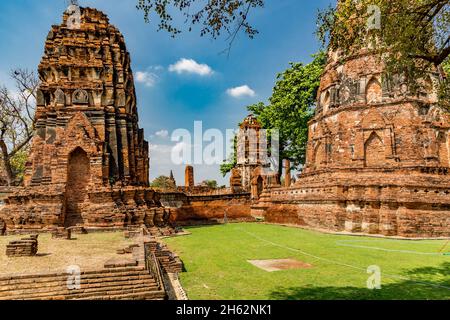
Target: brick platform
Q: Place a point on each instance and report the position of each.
(62, 233)
(22, 248)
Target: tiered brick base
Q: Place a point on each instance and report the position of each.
(35, 209)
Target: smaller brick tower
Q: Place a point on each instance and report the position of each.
(251, 150)
(189, 177)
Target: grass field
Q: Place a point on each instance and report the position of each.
(215, 259)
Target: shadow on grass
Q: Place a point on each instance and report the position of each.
(420, 287)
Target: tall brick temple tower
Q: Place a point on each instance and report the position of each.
(86, 109)
(377, 156)
(89, 162)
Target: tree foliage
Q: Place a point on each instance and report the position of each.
(210, 184)
(214, 16)
(413, 36)
(163, 182)
(17, 109)
(289, 110)
(228, 165)
(291, 106)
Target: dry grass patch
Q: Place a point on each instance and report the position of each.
(272, 265)
(89, 251)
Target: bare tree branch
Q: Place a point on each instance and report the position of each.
(17, 107)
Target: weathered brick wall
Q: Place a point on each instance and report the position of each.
(213, 208)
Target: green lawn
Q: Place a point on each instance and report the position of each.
(215, 259)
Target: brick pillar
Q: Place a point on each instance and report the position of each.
(124, 149)
(287, 173)
(112, 139)
(189, 177)
(132, 151)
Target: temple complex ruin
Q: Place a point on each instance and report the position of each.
(377, 157)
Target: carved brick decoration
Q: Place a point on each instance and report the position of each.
(89, 162)
(377, 157)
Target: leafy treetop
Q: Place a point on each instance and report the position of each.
(416, 33)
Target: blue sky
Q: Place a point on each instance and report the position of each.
(173, 93)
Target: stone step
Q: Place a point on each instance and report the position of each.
(105, 293)
(144, 279)
(85, 275)
(90, 277)
(133, 296)
(57, 289)
(103, 284)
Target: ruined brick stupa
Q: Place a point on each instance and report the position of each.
(377, 157)
(89, 162)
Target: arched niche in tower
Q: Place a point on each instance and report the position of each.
(78, 178)
(320, 156)
(60, 97)
(80, 97)
(326, 101)
(374, 91)
(442, 141)
(428, 89)
(374, 151)
(53, 75)
(40, 98)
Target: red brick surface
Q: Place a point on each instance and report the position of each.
(377, 159)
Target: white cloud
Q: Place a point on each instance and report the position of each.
(162, 133)
(240, 92)
(191, 66)
(147, 78)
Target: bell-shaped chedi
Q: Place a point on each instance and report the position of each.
(370, 121)
(377, 156)
(89, 162)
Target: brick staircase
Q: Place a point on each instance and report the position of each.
(132, 283)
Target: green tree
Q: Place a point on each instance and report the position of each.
(291, 106)
(211, 184)
(408, 36)
(163, 182)
(446, 67)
